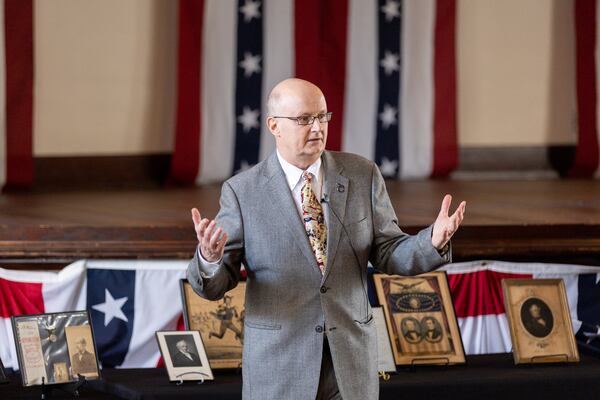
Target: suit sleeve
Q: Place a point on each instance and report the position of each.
(212, 281)
(393, 251)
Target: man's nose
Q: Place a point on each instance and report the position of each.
(316, 125)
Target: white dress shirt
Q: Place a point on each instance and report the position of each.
(293, 176)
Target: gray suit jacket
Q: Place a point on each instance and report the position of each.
(288, 302)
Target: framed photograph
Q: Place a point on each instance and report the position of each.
(3, 377)
(220, 323)
(420, 319)
(540, 321)
(184, 355)
(82, 353)
(43, 349)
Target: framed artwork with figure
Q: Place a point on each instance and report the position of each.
(220, 323)
(420, 319)
(540, 322)
(46, 345)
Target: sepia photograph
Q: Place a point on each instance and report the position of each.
(220, 323)
(420, 319)
(540, 321)
(82, 352)
(184, 355)
(43, 351)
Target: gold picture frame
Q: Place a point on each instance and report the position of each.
(43, 349)
(540, 322)
(220, 323)
(184, 355)
(420, 319)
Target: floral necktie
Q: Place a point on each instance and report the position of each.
(314, 221)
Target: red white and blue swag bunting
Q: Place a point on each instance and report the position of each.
(126, 311)
(387, 68)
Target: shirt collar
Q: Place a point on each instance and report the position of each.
(293, 173)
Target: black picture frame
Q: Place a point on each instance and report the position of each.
(3, 377)
(51, 344)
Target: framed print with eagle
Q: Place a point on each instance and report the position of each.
(540, 322)
(420, 319)
(220, 323)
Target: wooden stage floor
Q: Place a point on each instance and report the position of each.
(521, 220)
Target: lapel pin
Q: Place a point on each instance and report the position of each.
(340, 188)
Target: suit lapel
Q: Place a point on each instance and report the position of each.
(280, 196)
(336, 187)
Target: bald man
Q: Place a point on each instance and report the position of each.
(305, 223)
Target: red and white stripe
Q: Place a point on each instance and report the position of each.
(344, 65)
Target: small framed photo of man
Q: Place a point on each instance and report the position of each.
(82, 353)
(540, 321)
(220, 323)
(420, 319)
(184, 355)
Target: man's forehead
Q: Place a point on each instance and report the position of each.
(302, 103)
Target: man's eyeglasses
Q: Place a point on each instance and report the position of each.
(310, 119)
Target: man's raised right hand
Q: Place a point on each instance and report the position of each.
(211, 241)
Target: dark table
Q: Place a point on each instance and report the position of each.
(484, 377)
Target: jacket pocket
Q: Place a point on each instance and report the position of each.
(366, 321)
(261, 325)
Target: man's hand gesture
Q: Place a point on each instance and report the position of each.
(445, 226)
(211, 241)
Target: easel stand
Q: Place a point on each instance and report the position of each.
(550, 358)
(200, 380)
(71, 388)
(430, 361)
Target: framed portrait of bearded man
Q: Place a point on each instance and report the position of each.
(220, 323)
(420, 319)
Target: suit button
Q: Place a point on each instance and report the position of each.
(319, 329)
(323, 289)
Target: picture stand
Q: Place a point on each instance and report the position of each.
(199, 382)
(71, 388)
(429, 361)
(550, 358)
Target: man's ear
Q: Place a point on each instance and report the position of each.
(272, 125)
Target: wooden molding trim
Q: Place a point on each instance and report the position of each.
(54, 247)
(68, 173)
